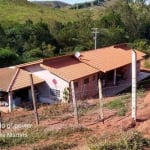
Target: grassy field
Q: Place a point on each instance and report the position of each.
(12, 11)
(20, 11)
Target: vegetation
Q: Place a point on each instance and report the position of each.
(127, 141)
(32, 135)
(67, 131)
(18, 11)
(23, 137)
(56, 146)
(119, 105)
(30, 32)
(147, 63)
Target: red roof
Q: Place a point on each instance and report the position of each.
(104, 59)
(13, 78)
(109, 58)
(68, 67)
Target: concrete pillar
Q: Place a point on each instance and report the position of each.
(134, 86)
(10, 101)
(114, 82)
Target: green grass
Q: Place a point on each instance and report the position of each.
(35, 134)
(56, 146)
(119, 104)
(119, 141)
(26, 137)
(64, 132)
(18, 11)
(115, 104)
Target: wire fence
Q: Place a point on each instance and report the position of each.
(107, 90)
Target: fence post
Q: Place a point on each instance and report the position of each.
(34, 101)
(74, 104)
(0, 122)
(100, 99)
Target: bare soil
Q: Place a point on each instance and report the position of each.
(112, 123)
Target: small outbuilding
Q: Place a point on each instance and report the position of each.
(15, 86)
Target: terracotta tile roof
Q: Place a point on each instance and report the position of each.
(29, 63)
(22, 80)
(104, 59)
(13, 78)
(6, 75)
(68, 67)
(109, 58)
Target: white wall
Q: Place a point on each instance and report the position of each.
(44, 89)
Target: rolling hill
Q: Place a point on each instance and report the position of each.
(52, 4)
(14, 11)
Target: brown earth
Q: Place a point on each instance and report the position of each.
(112, 123)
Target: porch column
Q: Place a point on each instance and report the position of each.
(10, 101)
(114, 77)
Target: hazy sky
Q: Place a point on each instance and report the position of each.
(72, 1)
(67, 1)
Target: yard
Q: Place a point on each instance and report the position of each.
(57, 129)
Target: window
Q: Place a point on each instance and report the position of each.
(76, 84)
(55, 92)
(86, 81)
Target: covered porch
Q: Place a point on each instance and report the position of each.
(122, 85)
(18, 99)
(14, 87)
(116, 76)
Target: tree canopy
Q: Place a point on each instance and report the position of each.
(121, 23)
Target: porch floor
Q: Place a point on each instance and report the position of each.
(124, 84)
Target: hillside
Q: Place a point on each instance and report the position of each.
(12, 11)
(52, 4)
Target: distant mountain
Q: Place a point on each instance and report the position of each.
(100, 3)
(52, 4)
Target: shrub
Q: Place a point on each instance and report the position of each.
(126, 141)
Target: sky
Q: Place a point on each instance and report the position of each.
(67, 1)
(73, 1)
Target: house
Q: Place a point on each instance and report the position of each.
(111, 64)
(54, 75)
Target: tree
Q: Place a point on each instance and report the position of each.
(2, 37)
(8, 57)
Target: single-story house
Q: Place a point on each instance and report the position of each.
(54, 75)
(111, 64)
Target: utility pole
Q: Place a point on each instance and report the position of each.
(134, 80)
(95, 32)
